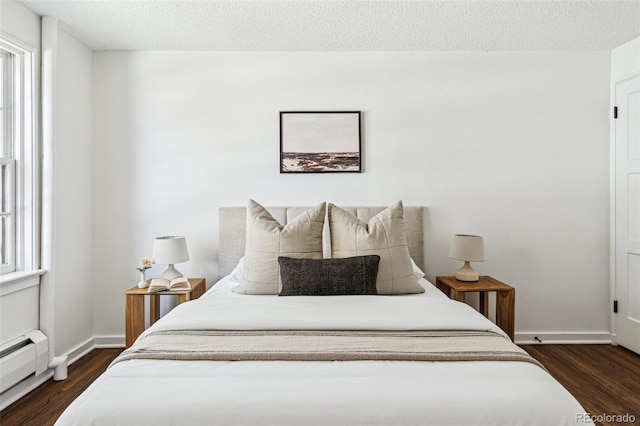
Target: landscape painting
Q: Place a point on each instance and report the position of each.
(319, 142)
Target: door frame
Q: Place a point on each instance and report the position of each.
(613, 293)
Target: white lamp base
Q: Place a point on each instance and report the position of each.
(467, 273)
(171, 273)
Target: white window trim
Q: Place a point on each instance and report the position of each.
(10, 214)
(27, 160)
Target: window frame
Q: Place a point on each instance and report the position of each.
(8, 213)
(7, 165)
(23, 153)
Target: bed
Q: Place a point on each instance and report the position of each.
(200, 364)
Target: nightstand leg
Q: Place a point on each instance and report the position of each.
(484, 303)
(443, 288)
(458, 295)
(154, 308)
(183, 298)
(505, 311)
(198, 291)
(134, 317)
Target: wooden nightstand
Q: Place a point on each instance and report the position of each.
(134, 306)
(505, 297)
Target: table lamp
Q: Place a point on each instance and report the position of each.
(469, 248)
(168, 251)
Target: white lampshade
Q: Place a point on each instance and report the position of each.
(169, 250)
(469, 248)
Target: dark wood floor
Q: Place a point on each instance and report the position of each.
(604, 379)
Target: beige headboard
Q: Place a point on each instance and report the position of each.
(232, 230)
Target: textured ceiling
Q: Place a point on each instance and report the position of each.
(345, 25)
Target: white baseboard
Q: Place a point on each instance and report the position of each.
(81, 350)
(117, 341)
(558, 338)
(16, 392)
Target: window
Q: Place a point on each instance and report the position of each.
(7, 167)
(18, 165)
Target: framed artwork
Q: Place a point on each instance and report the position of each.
(320, 142)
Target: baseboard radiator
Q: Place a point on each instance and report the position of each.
(22, 357)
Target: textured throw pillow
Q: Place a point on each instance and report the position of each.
(267, 239)
(329, 277)
(384, 235)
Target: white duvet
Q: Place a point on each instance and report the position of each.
(153, 392)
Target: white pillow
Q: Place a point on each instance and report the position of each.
(384, 235)
(417, 272)
(238, 272)
(267, 239)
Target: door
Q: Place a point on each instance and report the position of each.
(627, 212)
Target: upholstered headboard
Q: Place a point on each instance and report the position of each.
(232, 230)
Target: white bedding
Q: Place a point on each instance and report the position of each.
(322, 392)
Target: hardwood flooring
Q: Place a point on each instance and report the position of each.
(604, 379)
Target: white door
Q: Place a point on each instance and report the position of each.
(627, 212)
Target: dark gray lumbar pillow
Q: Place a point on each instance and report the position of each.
(329, 277)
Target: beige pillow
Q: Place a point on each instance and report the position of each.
(267, 239)
(384, 235)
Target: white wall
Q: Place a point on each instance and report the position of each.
(73, 194)
(512, 146)
(19, 22)
(67, 201)
(625, 60)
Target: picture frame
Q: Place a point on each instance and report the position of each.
(320, 142)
